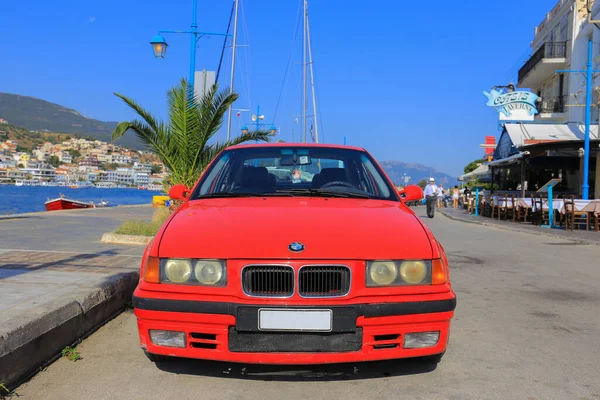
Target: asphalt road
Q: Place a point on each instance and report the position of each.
(527, 327)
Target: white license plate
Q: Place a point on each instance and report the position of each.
(294, 320)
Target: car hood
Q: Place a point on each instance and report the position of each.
(264, 228)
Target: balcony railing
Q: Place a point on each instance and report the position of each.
(546, 50)
(552, 105)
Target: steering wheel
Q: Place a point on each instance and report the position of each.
(337, 183)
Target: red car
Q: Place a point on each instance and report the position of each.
(294, 254)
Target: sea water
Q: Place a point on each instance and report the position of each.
(23, 199)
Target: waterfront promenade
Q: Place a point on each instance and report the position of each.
(58, 281)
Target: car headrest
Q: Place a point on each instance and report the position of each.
(333, 174)
(255, 177)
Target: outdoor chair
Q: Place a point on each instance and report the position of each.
(506, 207)
(539, 215)
(575, 219)
(523, 212)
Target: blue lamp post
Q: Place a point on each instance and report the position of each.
(159, 44)
(589, 74)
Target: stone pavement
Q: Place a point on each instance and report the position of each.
(589, 237)
(58, 281)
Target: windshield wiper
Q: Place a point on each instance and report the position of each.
(239, 194)
(324, 193)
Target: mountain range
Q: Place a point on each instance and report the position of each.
(396, 170)
(39, 115)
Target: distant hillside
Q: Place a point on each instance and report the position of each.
(397, 169)
(39, 115)
(29, 140)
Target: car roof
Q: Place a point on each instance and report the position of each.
(309, 145)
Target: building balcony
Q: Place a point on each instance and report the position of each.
(543, 64)
(552, 107)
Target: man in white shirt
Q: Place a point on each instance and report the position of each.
(431, 192)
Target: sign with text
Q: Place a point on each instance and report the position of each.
(513, 106)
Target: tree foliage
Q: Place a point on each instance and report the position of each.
(156, 169)
(54, 161)
(74, 154)
(422, 183)
(472, 166)
(182, 143)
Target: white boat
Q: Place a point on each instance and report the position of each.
(155, 187)
(106, 185)
(27, 182)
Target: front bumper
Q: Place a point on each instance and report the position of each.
(229, 331)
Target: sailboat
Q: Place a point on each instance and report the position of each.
(307, 63)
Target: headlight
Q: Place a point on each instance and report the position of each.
(193, 272)
(178, 271)
(208, 272)
(398, 273)
(383, 272)
(413, 272)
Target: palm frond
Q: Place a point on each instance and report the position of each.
(182, 143)
(145, 115)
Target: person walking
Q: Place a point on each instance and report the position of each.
(440, 197)
(431, 192)
(455, 195)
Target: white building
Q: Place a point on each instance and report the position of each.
(42, 171)
(553, 142)
(65, 157)
(120, 159)
(141, 178)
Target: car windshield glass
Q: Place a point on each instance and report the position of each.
(294, 171)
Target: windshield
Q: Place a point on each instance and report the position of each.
(294, 171)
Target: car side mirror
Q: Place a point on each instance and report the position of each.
(179, 192)
(411, 193)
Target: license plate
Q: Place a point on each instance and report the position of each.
(295, 320)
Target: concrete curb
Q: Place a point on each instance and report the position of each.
(543, 232)
(26, 346)
(125, 239)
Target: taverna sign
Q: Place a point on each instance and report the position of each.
(512, 103)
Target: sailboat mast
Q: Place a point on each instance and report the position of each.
(305, 17)
(312, 81)
(234, 46)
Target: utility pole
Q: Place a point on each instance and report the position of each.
(234, 46)
(589, 74)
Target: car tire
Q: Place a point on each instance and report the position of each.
(156, 357)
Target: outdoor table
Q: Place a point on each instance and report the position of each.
(587, 206)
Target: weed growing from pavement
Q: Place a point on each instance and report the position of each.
(71, 354)
(145, 228)
(6, 394)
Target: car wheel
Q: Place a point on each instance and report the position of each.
(156, 357)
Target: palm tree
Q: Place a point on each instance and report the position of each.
(182, 144)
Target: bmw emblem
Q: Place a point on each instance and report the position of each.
(296, 247)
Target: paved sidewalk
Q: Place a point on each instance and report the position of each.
(590, 237)
(58, 282)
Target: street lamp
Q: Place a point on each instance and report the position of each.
(257, 118)
(159, 46)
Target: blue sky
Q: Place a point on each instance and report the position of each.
(402, 79)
